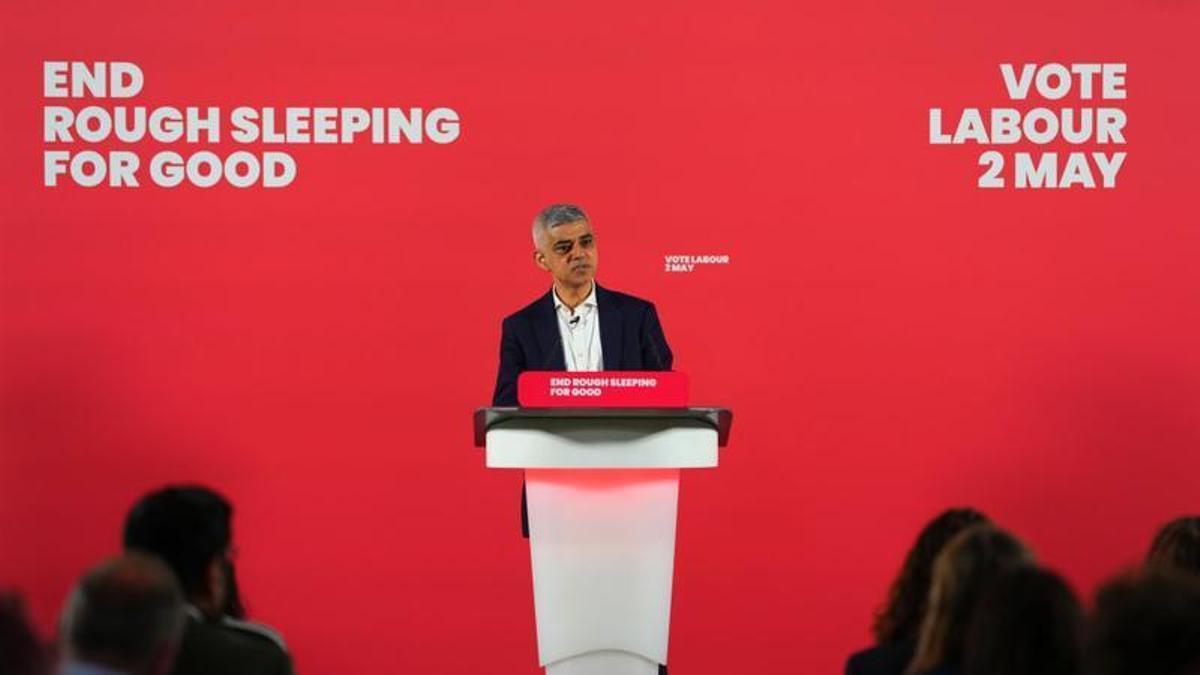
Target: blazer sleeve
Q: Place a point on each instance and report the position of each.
(656, 353)
(512, 363)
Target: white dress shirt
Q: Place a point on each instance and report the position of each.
(580, 331)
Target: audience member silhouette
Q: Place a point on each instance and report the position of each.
(1177, 546)
(190, 528)
(1028, 622)
(968, 600)
(21, 651)
(961, 573)
(899, 619)
(125, 617)
(1147, 624)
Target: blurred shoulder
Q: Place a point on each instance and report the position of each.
(255, 630)
(231, 647)
(885, 659)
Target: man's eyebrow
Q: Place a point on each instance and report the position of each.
(582, 237)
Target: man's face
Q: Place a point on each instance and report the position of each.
(568, 253)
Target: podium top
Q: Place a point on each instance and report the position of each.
(718, 418)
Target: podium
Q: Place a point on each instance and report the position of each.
(602, 487)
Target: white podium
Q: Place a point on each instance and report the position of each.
(602, 488)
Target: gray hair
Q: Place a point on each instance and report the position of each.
(555, 215)
(123, 613)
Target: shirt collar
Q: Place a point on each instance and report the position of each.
(589, 301)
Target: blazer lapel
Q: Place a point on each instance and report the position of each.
(610, 330)
(549, 339)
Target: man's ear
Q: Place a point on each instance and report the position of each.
(540, 260)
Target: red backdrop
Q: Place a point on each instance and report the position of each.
(893, 340)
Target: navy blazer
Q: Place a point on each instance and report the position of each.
(631, 338)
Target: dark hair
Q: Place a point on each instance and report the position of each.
(900, 617)
(961, 574)
(21, 651)
(1146, 625)
(1177, 545)
(234, 608)
(1029, 622)
(187, 526)
(125, 612)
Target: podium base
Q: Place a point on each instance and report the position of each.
(609, 662)
(602, 547)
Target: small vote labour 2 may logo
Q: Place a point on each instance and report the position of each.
(674, 262)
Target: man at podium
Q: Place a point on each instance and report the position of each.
(577, 325)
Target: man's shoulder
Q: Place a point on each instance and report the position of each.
(258, 632)
(527, 311)
(622, 301)
(890, 657)
(605, 297)
(241, 646)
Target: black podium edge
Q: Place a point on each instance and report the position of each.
(719, 418)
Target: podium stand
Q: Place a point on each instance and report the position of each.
(602, 487)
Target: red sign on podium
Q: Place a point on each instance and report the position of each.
(603, 389)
